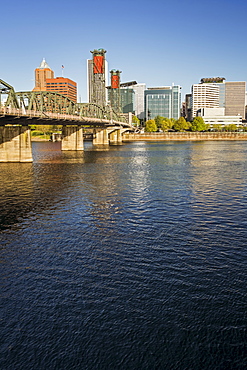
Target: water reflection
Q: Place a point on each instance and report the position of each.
(56, 177)
(17, 192)
(217, 171)
(197, 176)
(125, 258)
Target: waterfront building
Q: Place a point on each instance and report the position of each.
(235, 98)
(64, 86)
(162, 101)
(127, 98)
(139, 90)
(217, 116)
(204, 95)
(218, 93)
(42, 73)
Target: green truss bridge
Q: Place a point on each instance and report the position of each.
(22, 109)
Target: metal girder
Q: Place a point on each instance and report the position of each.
(46, 101)
(53, 102)
(5, 88)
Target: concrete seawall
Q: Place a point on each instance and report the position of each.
(184, 136)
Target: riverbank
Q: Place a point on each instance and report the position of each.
(184, 136)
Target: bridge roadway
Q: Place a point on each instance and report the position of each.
(15, 134)
(18, 116)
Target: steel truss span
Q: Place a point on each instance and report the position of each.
(52, 105)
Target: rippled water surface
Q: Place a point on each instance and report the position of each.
(132, 257)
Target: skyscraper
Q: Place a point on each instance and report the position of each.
(204, 95)
(41, 74)
(235, 98)
(97, 71)
(139, 100)
(114, 91)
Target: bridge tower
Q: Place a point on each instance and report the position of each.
(115, 98)
(97, 77)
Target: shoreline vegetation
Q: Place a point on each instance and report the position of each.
(162, 128)
(163, 124)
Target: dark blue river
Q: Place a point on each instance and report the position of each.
(132, 257)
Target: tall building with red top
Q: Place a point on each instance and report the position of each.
(97, 77)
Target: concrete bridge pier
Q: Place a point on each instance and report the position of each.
(15, 144)
(100, 137)
(115, 136)
(72, 138)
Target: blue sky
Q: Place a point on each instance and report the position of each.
(158, 42)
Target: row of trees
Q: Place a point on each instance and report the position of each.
(166, 124)
(198, 124)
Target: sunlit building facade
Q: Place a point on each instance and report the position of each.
(63, 86)
(139, 90)
(226, 97)
(205, 95)
(42, 73)
(162, 101)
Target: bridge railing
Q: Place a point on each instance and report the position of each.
(22, 112)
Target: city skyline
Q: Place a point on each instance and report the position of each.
(158, 44)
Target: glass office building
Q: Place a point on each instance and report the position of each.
(127, 96)
(163, 101)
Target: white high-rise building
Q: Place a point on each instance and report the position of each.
(139, 100)
(205, 95)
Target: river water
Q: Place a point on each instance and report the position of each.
(131, 257)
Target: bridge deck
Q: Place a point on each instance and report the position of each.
(23, 117)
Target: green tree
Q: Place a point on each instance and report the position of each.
(135, 121)
(150, 126)
(198, 124)
(231, 127)
(158, 121)
(166, 124)
(217, 127)
(181, 124)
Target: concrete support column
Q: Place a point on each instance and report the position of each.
(15, 144)
(119, 136)
(72, 138)
(130, 118)
(101, 137)
(116, 137)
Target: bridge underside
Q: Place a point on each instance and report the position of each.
(15, 141)
(15, 144)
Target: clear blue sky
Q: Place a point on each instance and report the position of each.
(158, 42)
